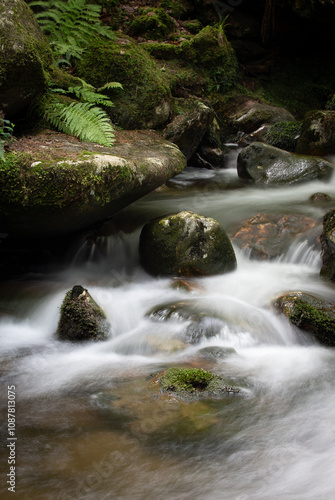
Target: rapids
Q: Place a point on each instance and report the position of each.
(90, 421)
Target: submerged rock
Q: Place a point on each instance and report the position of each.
(202, 324)
(269, 236)
(265, 164)
(64, 185)
(186, 244)
(81, 318)
(196, 382)
(216, 352)
(318, 133)
(328, 246)
(309, 313)
(25, 56)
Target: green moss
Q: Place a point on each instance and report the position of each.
(174, 8)
(145, 87)
(284, 135)
(152, 23)
(161, 50)
(211, 51)
(311, 317)
(53, 183)
(192, 381)
(194, 26)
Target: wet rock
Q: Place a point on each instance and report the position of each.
(215, 352)
(265, 164)
(81, 318)
(251, 115)
(186, 244)
(328, 246)
(189, 127)
(195, 382)
(269, 236)
(309, 313)
(25, 56)
(208, 157)
(318, 133)
(64, 185)
(201, 324)
(320, 198)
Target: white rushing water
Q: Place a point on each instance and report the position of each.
(276, 439)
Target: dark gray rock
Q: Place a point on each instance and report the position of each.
(266, 164)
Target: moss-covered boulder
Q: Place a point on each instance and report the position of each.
(186, 244)
(328, 246)
(63, 185)
(188, 128)
(194, 382)
(266, 164)
(24, 57)
(309, 313)
(269, 236)
(210, 51)
(318, 133)
(145, 101)
(81, 318)
(153, 23)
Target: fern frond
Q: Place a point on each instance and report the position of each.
(110, 85)
(89, 123)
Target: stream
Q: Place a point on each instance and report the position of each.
(91, 422)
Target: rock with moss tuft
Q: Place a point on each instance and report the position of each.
(309, 313)
(25, 56)
(186, 244)
(194, 382)
(145, 101)
(81, 318)
(318, 133)
(266, 164)
(328, 246)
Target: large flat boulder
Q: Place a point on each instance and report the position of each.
(54, 184)
(24, 57)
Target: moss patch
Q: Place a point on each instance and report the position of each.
(146, 88)
(284, 135)
(193, 382)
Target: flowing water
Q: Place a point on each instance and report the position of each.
(91, 422)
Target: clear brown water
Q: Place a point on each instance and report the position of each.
(91, 421)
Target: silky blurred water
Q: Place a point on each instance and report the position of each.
(91, 422)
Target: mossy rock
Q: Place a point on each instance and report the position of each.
(65, 185)
(311, 314)
(211, 51)
(186, 244)
(194, 382)
(145, 101)
(318, 133)
(283, 135)
(151, 23)
(81, 318)
(266, 165)
(25, 57)
(328, 246)
(194, 26)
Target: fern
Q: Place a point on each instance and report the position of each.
(70, 26)
(83, 119)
